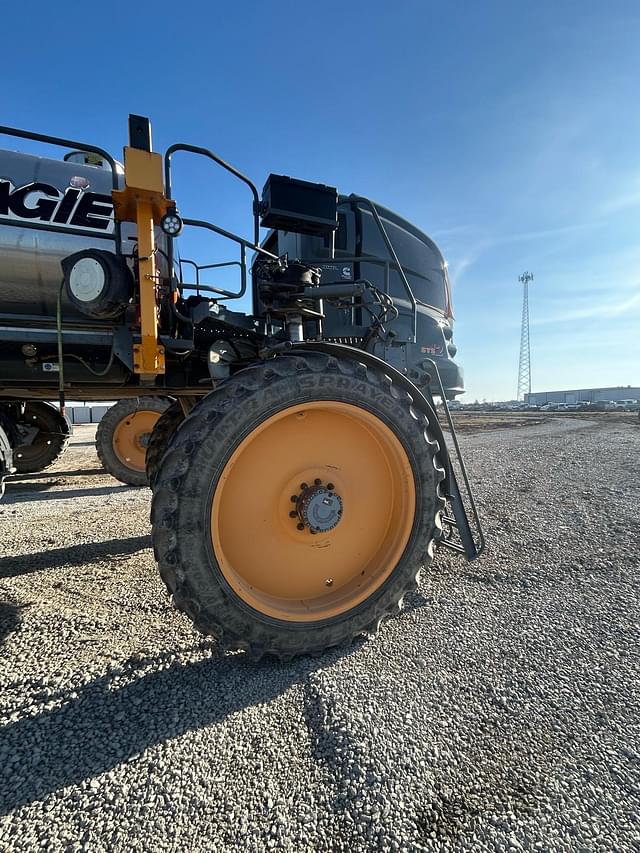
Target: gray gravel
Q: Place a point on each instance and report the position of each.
(499, 713)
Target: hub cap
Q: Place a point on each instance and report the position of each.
(320, 508)
(131, 437)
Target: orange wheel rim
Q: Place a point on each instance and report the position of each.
(358, 478)
(131, 437)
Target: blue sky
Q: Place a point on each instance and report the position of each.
(510, 132)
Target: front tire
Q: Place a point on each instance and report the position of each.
(296, 505)
(166, 425)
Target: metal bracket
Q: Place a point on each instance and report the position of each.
(123, 346)
(140, 367)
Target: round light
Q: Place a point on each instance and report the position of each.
(171, 224)
(87, 279)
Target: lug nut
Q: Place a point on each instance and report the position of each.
(330, 486)
(294, 499)
(300, 526)
(303, 486)
(311, 530)
(293, 514)
(317, 482)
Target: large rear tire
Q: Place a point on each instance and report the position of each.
(166, 425)
(123, 435)
(296, 505)
(50, 441)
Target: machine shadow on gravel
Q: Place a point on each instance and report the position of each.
(15, 479)
(115, 724)
(21, 494)
(73, 555)
(9, 619)
(18, 488)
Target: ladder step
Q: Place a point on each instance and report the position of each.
(452, 546)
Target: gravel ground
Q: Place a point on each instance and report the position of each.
(498, 713)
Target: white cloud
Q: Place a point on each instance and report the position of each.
(606, 309)
(478, 247)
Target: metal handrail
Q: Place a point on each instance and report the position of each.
(244, 245)
(382, 262)
(198, 268)
(359, 199)
(70, 143)
(204, 152)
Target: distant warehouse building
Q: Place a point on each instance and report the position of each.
(584, 395)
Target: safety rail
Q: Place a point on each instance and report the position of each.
(205, 152)
(244, 245)
(74, 145)
(387, 265)
(198, 269)
(199, 223)
(352, 199)
(359, 199)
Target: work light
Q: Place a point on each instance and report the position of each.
(171, 223)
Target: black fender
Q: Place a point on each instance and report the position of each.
(420, 401)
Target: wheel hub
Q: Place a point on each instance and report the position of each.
(320, 508)
(131, 438)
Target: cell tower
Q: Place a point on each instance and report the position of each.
(524, 364)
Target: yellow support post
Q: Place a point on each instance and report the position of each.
(143, 201)
(148, 356)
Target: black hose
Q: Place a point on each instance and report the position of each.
(61, 355)
(89, 368)
(61, 400)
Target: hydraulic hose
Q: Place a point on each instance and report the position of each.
(61, 400)
(61, 356)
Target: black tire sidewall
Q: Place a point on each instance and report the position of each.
(168, 422)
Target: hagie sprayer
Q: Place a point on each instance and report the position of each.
(300, 475)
